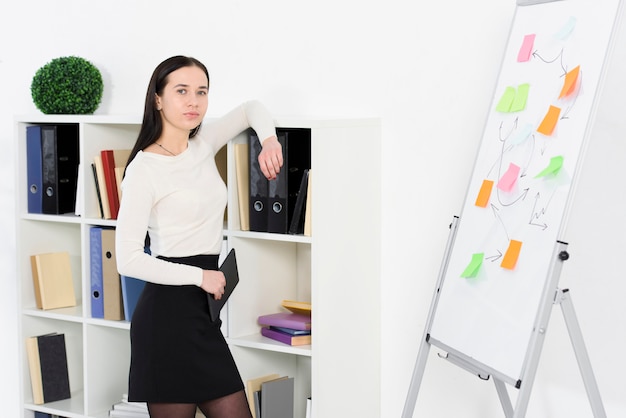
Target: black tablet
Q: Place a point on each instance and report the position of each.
(229, 268)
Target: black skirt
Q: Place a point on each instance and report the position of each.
(178, 355)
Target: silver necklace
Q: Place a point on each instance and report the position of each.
(165, 149)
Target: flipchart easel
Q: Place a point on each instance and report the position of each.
(470, 319)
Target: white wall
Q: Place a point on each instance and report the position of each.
(428, 70)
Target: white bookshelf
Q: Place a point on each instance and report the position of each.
(337, 269)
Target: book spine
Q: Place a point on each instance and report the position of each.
(278, 194)
(286, 338)
(258, 188)
(50, 201)
(108, 162)
(292, 321)
(98, 194)
(111, 283)
(101, 183)
(275, 335)
(290, 331)
(59, 156)
(34, 167)
(95, 252)
(32, 350)
(37, 287)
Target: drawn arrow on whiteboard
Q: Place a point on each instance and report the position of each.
(560, 55)
(493, 258)
(536, 215)
(495, 210)
(522, 196)
(503, 138)
(569, 108)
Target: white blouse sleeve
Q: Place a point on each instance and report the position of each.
(250, 114)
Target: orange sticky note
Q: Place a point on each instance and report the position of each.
(549, 121)
(512, 254)
(569, 85)
(485, 192)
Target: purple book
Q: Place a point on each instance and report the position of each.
(286, 320)
(286, 338)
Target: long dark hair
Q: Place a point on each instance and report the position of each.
(152, 126)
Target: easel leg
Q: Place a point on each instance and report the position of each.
(416, 379)
(422, 356)
(505, 400)
(582, 356)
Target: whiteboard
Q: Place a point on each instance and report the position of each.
(517, 199)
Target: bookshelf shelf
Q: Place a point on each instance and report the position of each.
(261, 343)
(72, 314)
(268, 236)
(72, 219)
(337, 269)
(107, 324)
(68, 408)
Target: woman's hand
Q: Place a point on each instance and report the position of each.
(271, 157)
(214, 282)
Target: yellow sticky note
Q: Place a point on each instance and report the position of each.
(549, 121)
(512, 254)
(555, 165)
(485, 192)
(569, 85)
(474, 266)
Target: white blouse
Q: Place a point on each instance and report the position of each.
(180, 201)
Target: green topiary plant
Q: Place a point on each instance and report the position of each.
(67, 85)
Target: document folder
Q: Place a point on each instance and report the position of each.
(231, 274)
(259, 188)
(59, 157)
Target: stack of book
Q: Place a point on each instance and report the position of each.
(292, 328)
(127, 409)
(271, 396)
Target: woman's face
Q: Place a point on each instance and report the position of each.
(184, 100)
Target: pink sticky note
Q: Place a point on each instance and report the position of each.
(527, 48)
(508, 180)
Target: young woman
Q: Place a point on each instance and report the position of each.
(173, 194)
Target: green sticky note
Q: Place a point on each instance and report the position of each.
(474, 266)
(504, 105)
(555, 165)
(519, 102)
